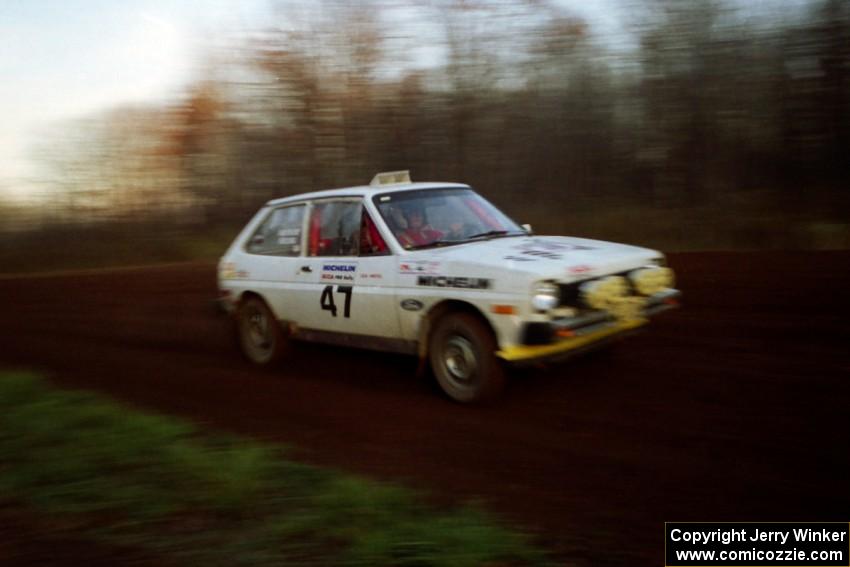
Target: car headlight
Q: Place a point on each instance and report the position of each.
(545, 296)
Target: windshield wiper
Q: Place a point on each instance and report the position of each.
(491, 233)
(435, 244)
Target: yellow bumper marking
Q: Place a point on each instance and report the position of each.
(528, 352)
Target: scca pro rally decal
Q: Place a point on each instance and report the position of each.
(339, 271)
(419, 267)
(458, 282)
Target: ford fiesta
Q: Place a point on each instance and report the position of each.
(431, 269)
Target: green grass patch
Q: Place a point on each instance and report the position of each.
(125, 478)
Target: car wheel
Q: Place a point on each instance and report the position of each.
(260, 336)
(462, 354)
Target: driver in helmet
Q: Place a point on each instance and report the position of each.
(418, 231)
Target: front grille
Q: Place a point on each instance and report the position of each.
(570, 294)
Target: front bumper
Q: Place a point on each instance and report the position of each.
(561, 337)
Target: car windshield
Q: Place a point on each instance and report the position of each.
(441, 217)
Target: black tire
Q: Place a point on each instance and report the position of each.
(258, 332)
(462, 351)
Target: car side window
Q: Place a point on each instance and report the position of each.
(280, 233)
(335, 228)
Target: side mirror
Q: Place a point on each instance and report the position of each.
(527, 228)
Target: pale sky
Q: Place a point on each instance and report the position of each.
(61, 59)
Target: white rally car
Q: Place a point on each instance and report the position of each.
(431, 269)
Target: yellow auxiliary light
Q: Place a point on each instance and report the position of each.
(649, 281)
(598, 294)
(612, 294)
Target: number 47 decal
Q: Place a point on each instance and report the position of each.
(327, 299)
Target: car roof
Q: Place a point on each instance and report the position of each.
(366, 190)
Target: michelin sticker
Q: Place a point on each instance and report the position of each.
(339, 271)
(458, 282)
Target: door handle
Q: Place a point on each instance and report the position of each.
(307, 269)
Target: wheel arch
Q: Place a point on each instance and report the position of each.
(268, 343)
(435, 313)
(238, 298)
(247, 294)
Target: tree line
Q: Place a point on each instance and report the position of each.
(700, 125)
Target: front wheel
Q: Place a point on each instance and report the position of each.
(260, 336)
(462, 353)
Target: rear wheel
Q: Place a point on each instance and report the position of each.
(260, 336)
(462, 354)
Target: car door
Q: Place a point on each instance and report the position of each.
(346, 279)
(273, 250)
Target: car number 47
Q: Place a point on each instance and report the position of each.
(327, 299)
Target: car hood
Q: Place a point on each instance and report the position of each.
(559, 258)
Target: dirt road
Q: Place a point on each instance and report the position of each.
(736, 407)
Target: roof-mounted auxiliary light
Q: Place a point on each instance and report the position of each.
(390, 178)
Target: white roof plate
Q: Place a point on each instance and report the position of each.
(390, 178)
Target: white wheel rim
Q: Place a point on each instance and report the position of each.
(459, 359)
(258, 331)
